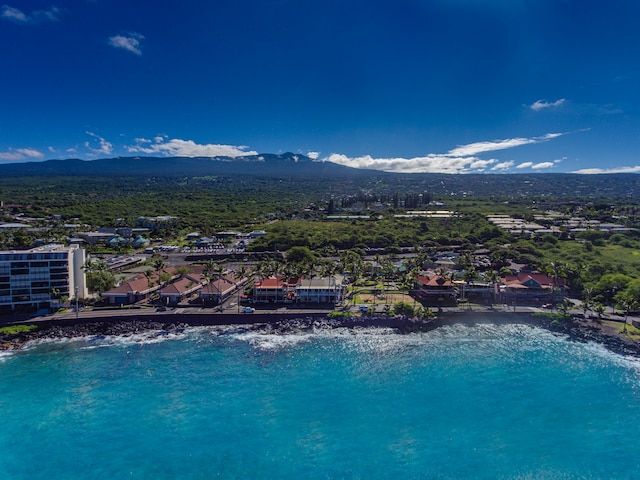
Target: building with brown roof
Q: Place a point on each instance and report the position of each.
(532, 288)
(131, 291)
(276, 289)
(435, 290)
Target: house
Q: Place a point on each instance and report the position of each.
(531, 288)
(94, 238)
(137, 288)
(217, 291)
(139, 242)
(181, 288)
(130, 291)
(435, 290)
(276, 289)
(319, 290)
(257, 233)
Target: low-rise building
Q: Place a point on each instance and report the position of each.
(218, 290)
(435, 290)
(181, 288)
(319, 290)
(131, 291)
(531, 288)
(275, 289)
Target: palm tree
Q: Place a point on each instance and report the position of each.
(387, 270)
(564, 308)
(599, 309)
(492, 277)
(217, 273)
(628, 303)
(89, 267)
(208, 274)
(240, 275)
(469, 276)
(555, 270)
(587, 301)
(158, 265)
(148, 273)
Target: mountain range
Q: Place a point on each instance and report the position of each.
(271, 165)
(289, 165)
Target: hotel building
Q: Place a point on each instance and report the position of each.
(37, 279)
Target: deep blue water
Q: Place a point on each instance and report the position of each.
(483, 401)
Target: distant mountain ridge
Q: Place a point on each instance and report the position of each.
(272, 165)
(292, 166)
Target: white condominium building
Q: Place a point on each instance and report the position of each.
(38, 278)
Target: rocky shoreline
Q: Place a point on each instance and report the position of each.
(576, 330)
(586, 331)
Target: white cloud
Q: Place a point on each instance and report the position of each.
(543, 104)
(15, 15)
(462, 159)
(105, 147)
(20, 154)
(595, 171)
(130, 42)
(481, 147)
(525, 165)
(428, 164)
(542, 165)
(503, 165)
(313, 155)
(176, 147)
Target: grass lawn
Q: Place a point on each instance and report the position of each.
(14, 329)
(632, 332)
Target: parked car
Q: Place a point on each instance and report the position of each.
(161, 309)
(248, 310)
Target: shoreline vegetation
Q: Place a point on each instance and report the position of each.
(17, 336)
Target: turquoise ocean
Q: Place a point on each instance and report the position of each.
(463, 401)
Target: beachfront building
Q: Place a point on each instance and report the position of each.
(276, 289)
(181, 288)
(41, 277)
(435, 291)
(131, 291)
(217, 291)
(319, 290)
(531, 288)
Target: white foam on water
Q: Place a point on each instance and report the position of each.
(273, 342)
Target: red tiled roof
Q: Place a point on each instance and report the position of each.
(434, 281)
(180, 287)
(523, 277)
(219, 286)
(137, 284)
(270, 282)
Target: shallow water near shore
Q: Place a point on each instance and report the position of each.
(483, 401)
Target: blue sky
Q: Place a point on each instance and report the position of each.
(455, 86)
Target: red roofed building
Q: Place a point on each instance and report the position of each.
(131, 291)
(435, 290)
(275, 290)
(217, 291)
(531, 288)
(180, 289)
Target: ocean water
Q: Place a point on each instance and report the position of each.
(484, 401)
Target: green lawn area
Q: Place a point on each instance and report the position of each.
(14, 329)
